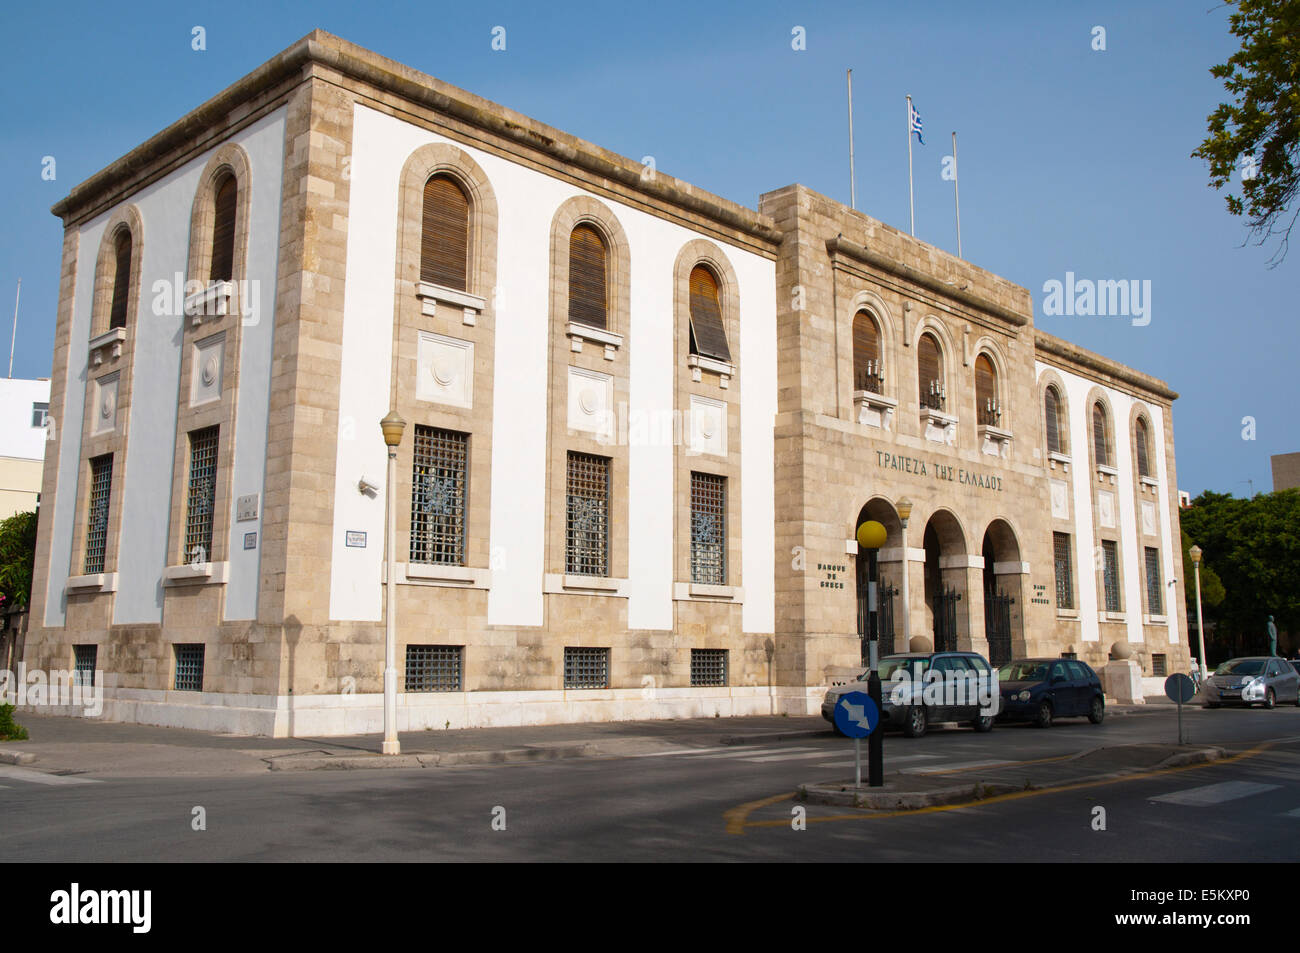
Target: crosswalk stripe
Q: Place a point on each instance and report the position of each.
(681, 751)
(1292, 813)
(889, 762)
(959, 766)
(787, 757)
(749, 755)
(40, 777)
(1210, 794)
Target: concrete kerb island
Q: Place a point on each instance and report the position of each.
(913, 793)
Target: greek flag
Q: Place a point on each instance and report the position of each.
(916, 123)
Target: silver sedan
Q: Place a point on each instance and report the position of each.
(1253, 680)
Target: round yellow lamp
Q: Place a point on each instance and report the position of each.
(871, 535)
(392, 426)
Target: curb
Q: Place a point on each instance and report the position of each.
(430, 760)
(16, 757)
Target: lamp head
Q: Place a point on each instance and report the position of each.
(1195, 553)
(904, 509)
(393, 425)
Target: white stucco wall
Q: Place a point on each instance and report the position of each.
(527, 201)
(19, 440)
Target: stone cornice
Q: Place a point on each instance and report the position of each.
(839, 245)
(353, 61)
(1085, 360)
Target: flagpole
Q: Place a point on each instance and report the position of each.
(911, 202)
(13, 339)
(955, 195)
(853, 189)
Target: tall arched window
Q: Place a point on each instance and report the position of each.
(223, 229)
(1052, 411)
(868, 372)
(1100, 438)
(1143, 448)
(588, 278)
(988, 409)
(930, 372)
(121, 279)
(708, 336)
(444, 238)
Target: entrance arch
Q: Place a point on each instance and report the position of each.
(946, 609)
(1003, 592)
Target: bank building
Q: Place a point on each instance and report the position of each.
(641, 427)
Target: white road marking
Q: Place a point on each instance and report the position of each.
(1292, 813)
(1211, 794)
(889, 761)
(40, 777)
(680, 751)
(787, 757)
(749, 755)
(938, 768)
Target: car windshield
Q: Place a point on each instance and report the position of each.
(1241, 666)
(1022, 672)
(888, 666)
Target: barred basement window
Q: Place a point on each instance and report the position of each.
(1064, 572)
(586, 668)
(588, 277)
(438, 481)
(708, 529)
(202, 494)
(1069, 655)
(708, 336)
(586, 537)
(84, 658)
(121, 280)
(223, 230)
(101, 482)
(434, 668)
(1110, 574)
(1155, 595)
(1159, 666)
(708, 667)
(444, 236)
(189, 668)
(1052, 409)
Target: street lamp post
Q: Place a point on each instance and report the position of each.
(392, 426)
(1195, 553)
(871, 536)
(904, 511)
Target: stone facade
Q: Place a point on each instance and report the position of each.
(331, 147)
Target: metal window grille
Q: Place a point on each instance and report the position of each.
(84, 658)
(434, 668)
(586, 544)
(586, 667)
(1110, 574)
(202, 495)
(1159, 666)
(438, 481)
(189, 668)
(1155, 597)
(708, 529)
(708, 667)
(40, 409)
(1073, 655)
(1064, 573)
(101, 482)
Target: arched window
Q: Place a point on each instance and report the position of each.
(930, 372)
(1143, 448)
(588, 278)
(868, 372)
(708, 336)
(988, 409)
(121, 279)
(444, 238)
(1100, 441)
(223, 229)
(1052, 409)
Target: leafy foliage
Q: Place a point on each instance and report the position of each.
(17, 557)
(9, 729)
(1261, 123)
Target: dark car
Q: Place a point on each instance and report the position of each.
(919, 689)
(1043, 689)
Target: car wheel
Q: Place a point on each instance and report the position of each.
(1297, 699)
(917, 721)
(1270, 699)
(1098, 711)
(982, 722)
(1044, 717)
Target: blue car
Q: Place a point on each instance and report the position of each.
(1043, 689)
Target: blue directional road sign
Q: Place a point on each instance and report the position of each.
(1179, 688)
(856, 715)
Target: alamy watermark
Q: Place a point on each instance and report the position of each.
(59, 688)
(1104, 297)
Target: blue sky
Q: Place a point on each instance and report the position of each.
(1071, 159)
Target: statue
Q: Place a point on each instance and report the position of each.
(1272, 637)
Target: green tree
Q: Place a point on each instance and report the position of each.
(17, 557)
(1260, 125)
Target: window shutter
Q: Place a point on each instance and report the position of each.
(1099, 435)
(866, 350)
(588, 288)
(986, 388)
(223, 230)
(444, 239)
(927, 360)
(121, 281)
(709, 339)
(1052, 405)
(1144, 463)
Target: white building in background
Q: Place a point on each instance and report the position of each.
(24, 405)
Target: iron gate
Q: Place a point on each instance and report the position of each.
(945, 620)
(997, 626)
(884, 621)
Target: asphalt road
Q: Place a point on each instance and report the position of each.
(698, 801)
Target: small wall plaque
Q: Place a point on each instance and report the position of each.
(246, 508)
(356, 539)
(250, 541)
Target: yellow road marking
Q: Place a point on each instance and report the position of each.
(737, 817)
